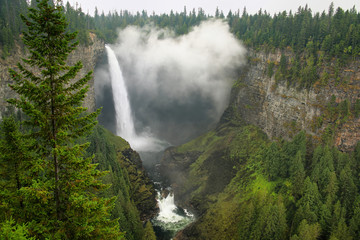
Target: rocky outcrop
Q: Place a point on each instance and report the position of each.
(88, 55)
(142, 188)
(281, 110)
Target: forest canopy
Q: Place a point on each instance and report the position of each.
(335, 32)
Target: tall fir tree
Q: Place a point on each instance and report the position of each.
(297, 175)
(149, 231)
(61, 202)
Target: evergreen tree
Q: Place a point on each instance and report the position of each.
(274, 162)
(354, 224)
(341, 231)
(347, 189)
(149, 232)
(307, 231)
(12, 231)
(15, 158)
(297, 175)
(247, 220)
(309, 206)
(61, 201)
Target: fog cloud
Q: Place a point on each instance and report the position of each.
(178, 86)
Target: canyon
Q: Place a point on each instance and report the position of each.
(260, 107)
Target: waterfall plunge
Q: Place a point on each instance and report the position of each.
(169, 219)
(124, 121)
(167, 209)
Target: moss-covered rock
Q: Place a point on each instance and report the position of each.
(209, 174)
(135, 193)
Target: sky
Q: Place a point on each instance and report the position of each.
(209, 6)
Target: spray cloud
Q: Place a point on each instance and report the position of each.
(178, 86)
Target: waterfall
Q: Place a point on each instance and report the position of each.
(124, 121)
(168, 209)
(171, 218)
(144, 141)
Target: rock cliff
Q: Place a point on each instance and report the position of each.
(208, 173)
(88, 55)
(281, 110)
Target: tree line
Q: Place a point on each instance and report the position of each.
(336, 32)
(315, 39)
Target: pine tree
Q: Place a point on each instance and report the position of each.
(354, 225)
(307, 231)
(297, 175)
(275, 163)
(14, 160)
(347, 189)
(61, 201)
(149, 232)
(12, 231)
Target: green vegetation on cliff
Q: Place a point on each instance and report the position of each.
(135, 194)
(242, 186)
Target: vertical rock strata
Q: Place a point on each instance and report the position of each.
(282, 110)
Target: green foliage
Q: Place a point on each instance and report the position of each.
(268, 219)
(357, 108)
(281, 190)
(283, 65)
(275, 162)
(307, 231)
(59, 198)
(149, 232)
(354, 226)
(270, 69)
(314, 38)
(253, 178)
(15, 159)
(9, 230)
(297, 174)
(135, 193)
(11, 25)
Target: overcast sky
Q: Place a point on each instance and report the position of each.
(209, 6)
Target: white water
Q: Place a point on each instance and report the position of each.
(124, 121)
(168, 210)
(171, 219)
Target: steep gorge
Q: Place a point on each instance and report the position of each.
(218, 173)
(208, 174)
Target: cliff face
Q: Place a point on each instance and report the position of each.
(281, 110)
(88, 55)
(216, 173)
(135, 194)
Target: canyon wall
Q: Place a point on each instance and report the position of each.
(278, 109)
(88, 55)
(281, 110)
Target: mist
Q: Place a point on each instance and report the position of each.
(178, 86)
